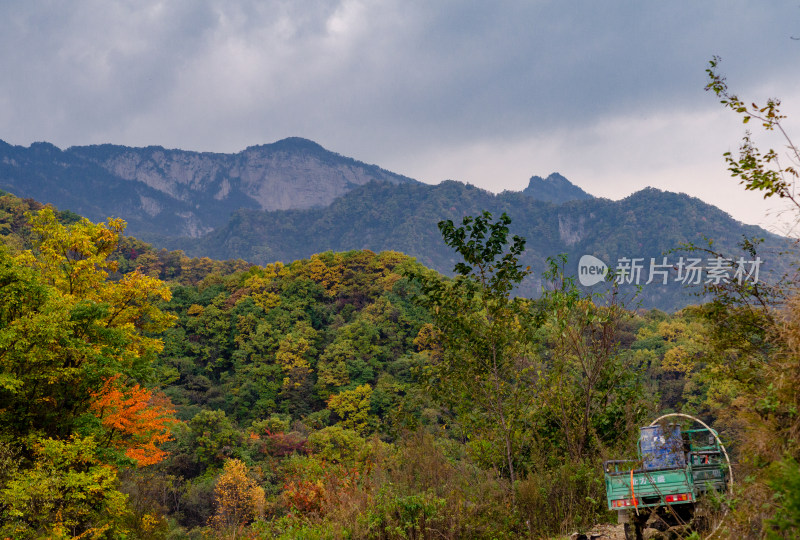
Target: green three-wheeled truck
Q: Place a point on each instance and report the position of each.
(660, 490)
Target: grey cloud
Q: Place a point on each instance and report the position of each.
(393, 80)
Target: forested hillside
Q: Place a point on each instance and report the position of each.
(648, 224)
(150, 395)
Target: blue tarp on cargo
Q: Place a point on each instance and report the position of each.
(662, 447)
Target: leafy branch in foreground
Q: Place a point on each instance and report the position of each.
(757, 171)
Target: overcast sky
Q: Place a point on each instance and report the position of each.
(608, 93)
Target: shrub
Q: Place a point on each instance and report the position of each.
(563, 499)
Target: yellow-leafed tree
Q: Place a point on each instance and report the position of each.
(76, 343)
(238, 499)
(352, 406)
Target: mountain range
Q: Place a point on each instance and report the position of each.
(380, 216)
(291, 199)
(186, 193)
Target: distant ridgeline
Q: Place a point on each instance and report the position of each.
(644, 226)
(288, 200)
(182, 193)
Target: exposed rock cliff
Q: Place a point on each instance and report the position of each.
(181, 193)
(290, 174)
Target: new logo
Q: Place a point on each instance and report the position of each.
(591, 270)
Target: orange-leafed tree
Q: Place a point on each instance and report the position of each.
(135, 421)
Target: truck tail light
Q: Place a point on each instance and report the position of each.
(621, 503)
(678, 498)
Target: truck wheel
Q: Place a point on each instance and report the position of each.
(634, 530)
(701, 524)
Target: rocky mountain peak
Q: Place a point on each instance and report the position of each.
(555, 189)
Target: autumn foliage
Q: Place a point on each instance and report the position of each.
(239, 499)
(315, 399)
(136, 421)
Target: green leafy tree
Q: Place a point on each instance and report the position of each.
(352, 406)
(485, 369)
(588, 386)
(210, 437)
(66, 493)
(67, 328)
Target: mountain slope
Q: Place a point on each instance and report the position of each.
(288, 200)
(185, 193)
(403, 218)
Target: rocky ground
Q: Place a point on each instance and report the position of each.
(606, 531)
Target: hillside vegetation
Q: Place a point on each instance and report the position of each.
(360, 394)
(146, 394)
(379, 216)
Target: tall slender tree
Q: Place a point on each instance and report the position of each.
(485, 371)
